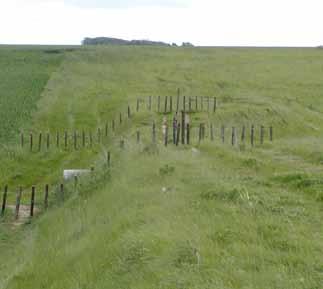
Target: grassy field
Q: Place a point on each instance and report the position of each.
(207, 215)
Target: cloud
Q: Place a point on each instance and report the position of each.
(127, 3)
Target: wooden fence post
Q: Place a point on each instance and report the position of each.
(106, 130)
(208, 103)
(137, 109)
(90, 138)
(149, 103)
(214, 104)
(129, 111)
(61, 190)
(177, 102)
(109, 159)
(138, 136)
(233, 140)
(46, 197)
(252, 134)
(188, 133)
(171, 103)
(189, 104)
(200, 133)
(223, 133)
(184, 107)
(120, 117)
(262, 132)
(166, 99)
(57, 139)
(183, 126)
(75, 140)
(158, 107)
(31, 141)
(113, 125)
(47, 141)
(4, 200)
(196, 104)
(243, 134)
(32, 201)
(154, 133)
(39, 142)
(211, 132)
(166, 135)
(18, 199)
(83, 138)
(22, 139)
(178, 133)
(99, 135)
(271, 133)
(65, 139)
(174, 129)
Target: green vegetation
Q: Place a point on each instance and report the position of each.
(209, 217)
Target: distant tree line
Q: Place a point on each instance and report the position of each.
(117, 41)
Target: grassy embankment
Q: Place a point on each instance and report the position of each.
(218, 217)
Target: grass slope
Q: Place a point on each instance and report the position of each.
(215, 217)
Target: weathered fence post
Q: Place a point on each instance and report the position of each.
(188, 133)
(32, 201)
(177, 101)
(83, 138)
(208, 103)
(243, 134)
(271, 133)
(184, 107)
(149, 103)
(57, 139)
(178, 133)
(189, 104)
(252, 134)
(166, 99)
(183, 125)
(61, 190)
(4, 200)
(200, 133)
(137, 109)
(211, 132)
(46, 197)
(99, 135)
(65, 139)
(109, 159)
(106, 130)
(39, 142)
(223, 133)
(158, 104)
(154, 133)
(129, 111)
(214, 104)
(196, 104)
(233, 140)
(166, 135)
(138, 136)
(90, 138)
(171, 103)
(31, 141)
(22, 140)
(47, 141)
(120, 118)
(174, 129)
(18, 199)
(122, 144)
(113, 125)
(262, 132)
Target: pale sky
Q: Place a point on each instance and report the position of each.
(202, 22)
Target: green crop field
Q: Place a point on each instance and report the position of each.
(204, 215)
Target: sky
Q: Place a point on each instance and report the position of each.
(202, 22)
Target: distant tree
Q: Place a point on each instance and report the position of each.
(187, 44)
